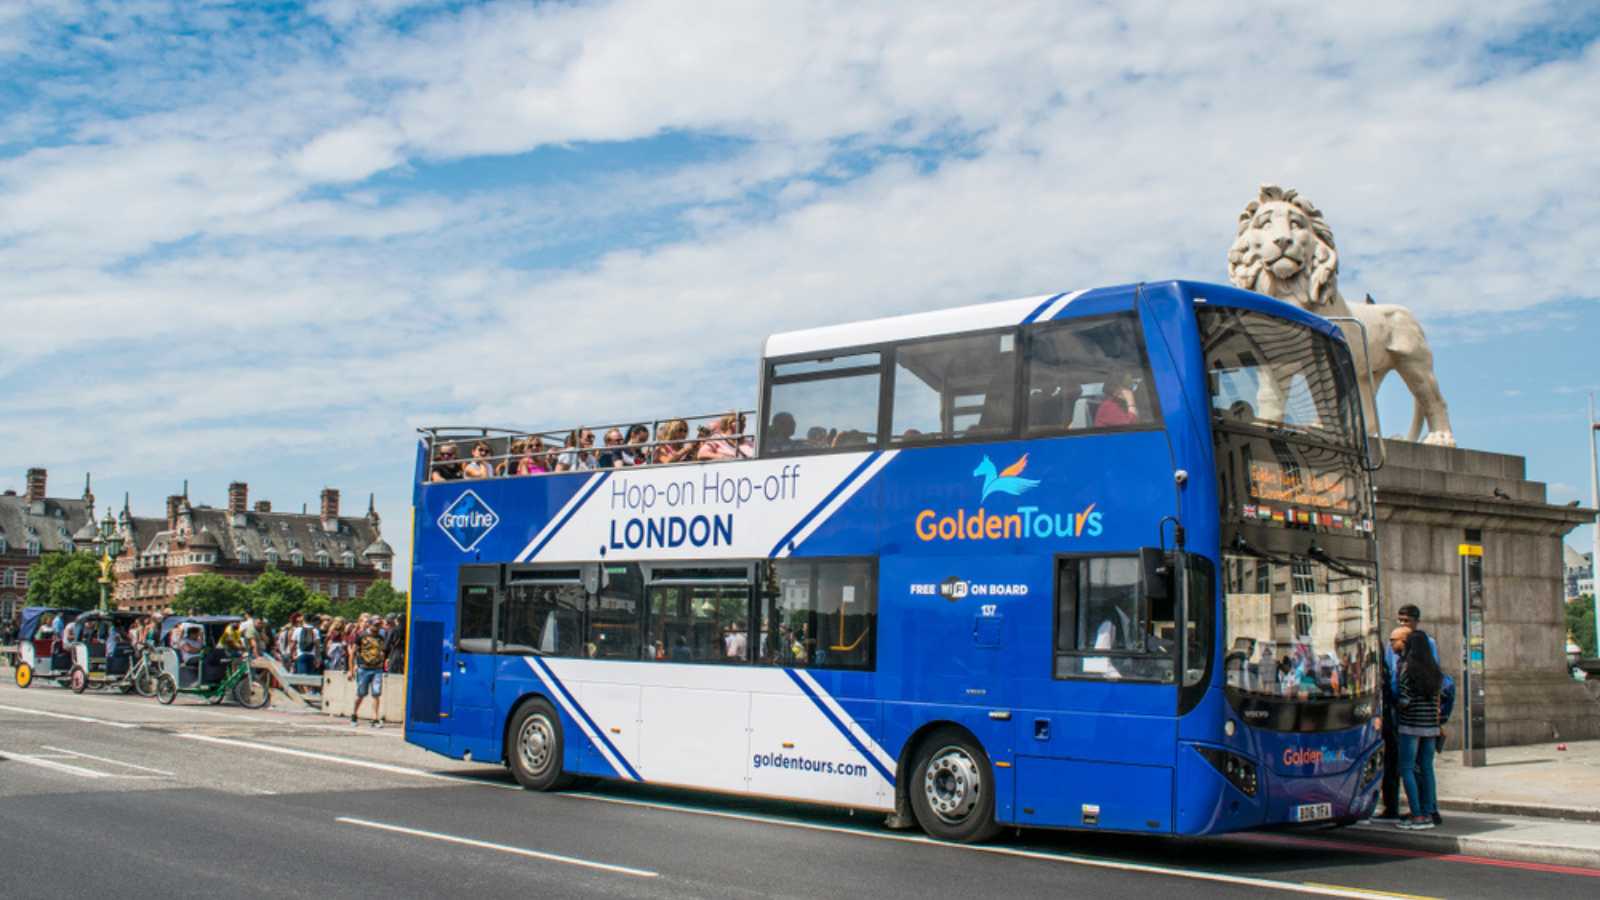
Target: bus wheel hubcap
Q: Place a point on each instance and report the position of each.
(536, 744)
(951, 784)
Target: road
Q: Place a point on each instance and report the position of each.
(103, 793)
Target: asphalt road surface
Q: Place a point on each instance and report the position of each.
(105, 795)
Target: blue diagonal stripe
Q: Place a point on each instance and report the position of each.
(1042, 307)
(571, 512)
(596, 730)
(806, 519)
(843, 729)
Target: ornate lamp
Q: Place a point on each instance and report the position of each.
(108, 546)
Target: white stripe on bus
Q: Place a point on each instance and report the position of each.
(839, 501)
(578, 497)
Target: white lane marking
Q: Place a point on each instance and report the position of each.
(518, 851)
(345, 761)
(114, 762)
(56, 715)
(43, 763)
(197, 710)
(1089, 861)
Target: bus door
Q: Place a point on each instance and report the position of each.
(695, 719)
(469, 694)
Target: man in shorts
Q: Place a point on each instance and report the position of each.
(368, 672)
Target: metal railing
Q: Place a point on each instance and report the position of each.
(517, 453)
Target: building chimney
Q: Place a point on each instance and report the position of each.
(330, 509)
(173, 502)
(238, 498)
(263, 506)
(36, 485)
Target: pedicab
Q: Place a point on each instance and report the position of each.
(41, 653)
(92, 666)
(192, 663)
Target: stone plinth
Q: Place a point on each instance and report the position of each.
(1428, 497)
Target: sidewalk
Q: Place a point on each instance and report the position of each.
(1536, 780)
(1532, 804)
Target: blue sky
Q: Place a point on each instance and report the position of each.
(267, 241)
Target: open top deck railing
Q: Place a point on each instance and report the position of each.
(515, 453)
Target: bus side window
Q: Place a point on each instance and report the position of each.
(820, 614)
(542, 619)
(952, 388)
(475, 633)
(1077, 367)
(703, 623)
(615, 614)
(1104, 628)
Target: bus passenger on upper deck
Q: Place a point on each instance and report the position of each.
(579, 453)
(532, 460)
(445, 465)
(636, 454)
(780, 434)
(1117, 407)
(612, 456)
(674, 446)
(479, 466)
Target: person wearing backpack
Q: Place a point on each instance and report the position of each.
(368, 672)
(1421, 683)
(308, 647)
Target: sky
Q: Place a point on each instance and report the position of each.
(267, 241)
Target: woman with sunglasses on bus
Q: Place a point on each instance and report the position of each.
(479, 466)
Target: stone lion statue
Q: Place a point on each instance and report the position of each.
(1285, 250)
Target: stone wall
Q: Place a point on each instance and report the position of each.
(1428, 497)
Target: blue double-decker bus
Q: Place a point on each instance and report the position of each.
(1097, 560)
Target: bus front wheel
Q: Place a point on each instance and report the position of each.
(536, 747)
(952, 789)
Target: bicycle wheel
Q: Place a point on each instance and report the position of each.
(144, 681)
(253, 691)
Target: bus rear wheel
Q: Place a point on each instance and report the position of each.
(952, 789)
(536, 746)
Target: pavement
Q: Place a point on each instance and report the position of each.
(193, 800)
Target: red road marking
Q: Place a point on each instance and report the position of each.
(1378, 850)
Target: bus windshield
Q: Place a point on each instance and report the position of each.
(1299, 630)
(1277, 374)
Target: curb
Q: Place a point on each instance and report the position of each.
(1489, 848)
(1530, 810)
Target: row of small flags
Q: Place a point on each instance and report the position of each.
(1292, 516)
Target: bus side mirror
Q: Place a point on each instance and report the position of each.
(1155, 574)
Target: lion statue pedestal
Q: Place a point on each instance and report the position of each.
(1285, 250)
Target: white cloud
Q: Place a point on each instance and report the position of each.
(877, 160)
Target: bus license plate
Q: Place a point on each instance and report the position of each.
(1311, 812)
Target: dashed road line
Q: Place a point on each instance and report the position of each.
(501, 848)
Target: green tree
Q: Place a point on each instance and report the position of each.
(380, 598)
(1580, 624)
(213, 595)
(277, 595)
(70, 580)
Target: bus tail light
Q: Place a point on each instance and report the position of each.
(1240, 772)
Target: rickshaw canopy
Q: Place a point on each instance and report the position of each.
(212, 624)
(35, 617)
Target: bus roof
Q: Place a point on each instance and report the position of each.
(956, 320)
(1006, 313)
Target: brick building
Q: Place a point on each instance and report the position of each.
(338, 556)
(31, 525)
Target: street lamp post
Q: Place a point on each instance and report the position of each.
(108, 544)
(1594, 550)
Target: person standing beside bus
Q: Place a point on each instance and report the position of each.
(368, 672)
(1418, 726)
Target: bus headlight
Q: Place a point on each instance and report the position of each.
(1371, 771)
(1240, 772)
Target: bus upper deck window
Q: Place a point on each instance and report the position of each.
(823, 404)
(1089, 373)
